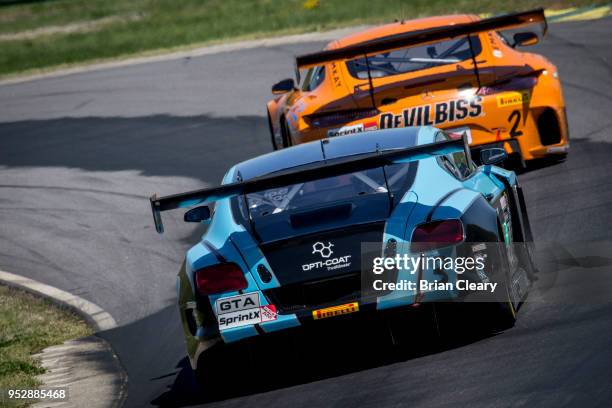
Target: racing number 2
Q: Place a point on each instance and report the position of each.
(514, 119)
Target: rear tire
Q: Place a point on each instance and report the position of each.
(502, 313)
(219, 363)
(286, 137)
(272, 138)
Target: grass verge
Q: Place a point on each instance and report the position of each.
(39, 34)
(28, 324)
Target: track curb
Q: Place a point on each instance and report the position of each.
(94, 314)
(88, 366)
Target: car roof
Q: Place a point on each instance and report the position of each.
(401, 27)
(333, 148)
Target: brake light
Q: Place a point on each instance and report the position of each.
(514, 84)
(339, 117)
(436, 234)
(219, 278)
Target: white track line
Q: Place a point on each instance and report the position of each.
(93, 313)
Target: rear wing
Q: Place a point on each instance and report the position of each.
(303, 174)
(403, 40)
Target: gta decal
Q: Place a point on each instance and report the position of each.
(325, 251)
(433, 114)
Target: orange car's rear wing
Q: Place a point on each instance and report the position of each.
(412, 38)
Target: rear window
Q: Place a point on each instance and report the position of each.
(393, 180)
(415, 58)
(315, 193)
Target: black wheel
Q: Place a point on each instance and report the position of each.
(217, 364)
(210, 364)
(502, 310)
(285, 133)
(272, 138)
(502, 314)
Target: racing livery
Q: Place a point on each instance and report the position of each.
(459, 73)
(285, 246)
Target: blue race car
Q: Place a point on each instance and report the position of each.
(296, 235)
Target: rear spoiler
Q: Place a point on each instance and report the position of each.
(303, 174)
(403, 40)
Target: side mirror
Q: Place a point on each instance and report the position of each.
(284, 86)
(197, 214)
(493, 155)
(525, 39)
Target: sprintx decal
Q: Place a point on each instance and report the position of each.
(433, 114)
(345, 130)
(243, 310)
(352, 129)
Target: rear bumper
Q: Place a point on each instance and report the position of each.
(539, 131)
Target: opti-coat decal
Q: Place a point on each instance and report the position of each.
(433, 114)
(325, 252)
(243, 310)
(513, 98)
(335, 311)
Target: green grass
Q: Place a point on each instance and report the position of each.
(27, 325)
(163, 24)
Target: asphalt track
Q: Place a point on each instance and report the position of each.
(80, 154)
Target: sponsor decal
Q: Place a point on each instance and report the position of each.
(557, 149)
(513, 98)
(345, 130)
(243, 310)
(325, 251)
(427, 94)
(335, 75)
(479, 247)
(237, 303)
(503, 202)
(335, 311)
(370, 126)
(433, 114)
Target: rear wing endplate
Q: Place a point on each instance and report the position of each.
(303, 174)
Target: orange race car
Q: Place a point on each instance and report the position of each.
(459, 73)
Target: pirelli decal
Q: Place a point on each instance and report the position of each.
(335, 311)
(434, 114)
(513, 98)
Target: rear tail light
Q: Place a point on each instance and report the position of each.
(436, 234)
(339, 117)
(219, 278)
(514, 84)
